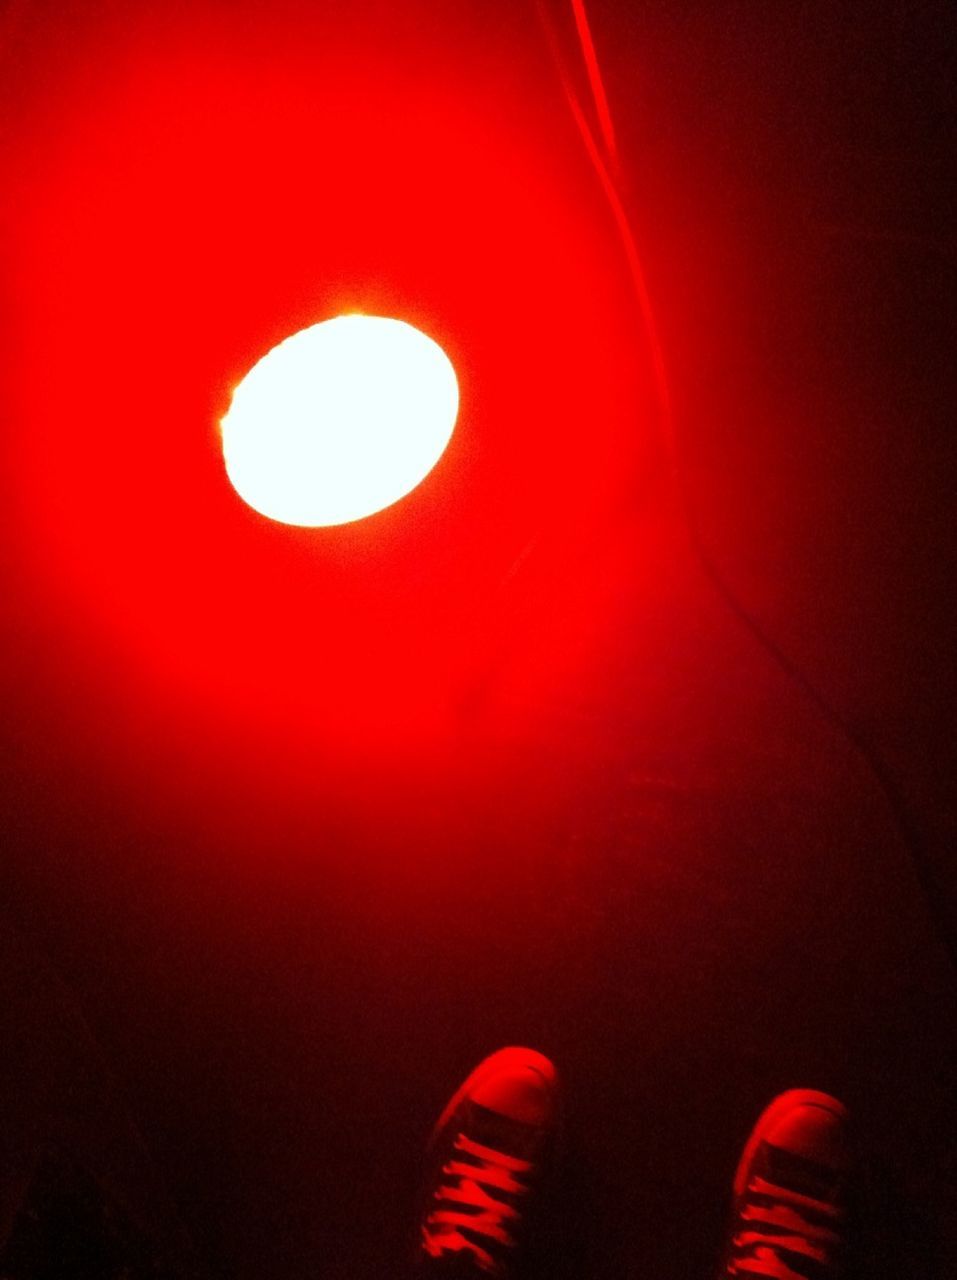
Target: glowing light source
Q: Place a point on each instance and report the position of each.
(340, 420)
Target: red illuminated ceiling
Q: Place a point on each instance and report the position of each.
(203, 195)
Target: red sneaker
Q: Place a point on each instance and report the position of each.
(788, 1214)
(488, 1152)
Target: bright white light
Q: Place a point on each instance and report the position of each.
(340, 420)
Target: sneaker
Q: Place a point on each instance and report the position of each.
(788, 1215)
(487, 1155)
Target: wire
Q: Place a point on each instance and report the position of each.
(867, 752)
(601, 165)
(593, 68)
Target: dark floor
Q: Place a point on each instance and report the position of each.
(670, 871)
(688, 921)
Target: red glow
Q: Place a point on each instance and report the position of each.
(203, 197)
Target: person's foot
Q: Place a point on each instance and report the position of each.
(788, 1215)
(487, 1156)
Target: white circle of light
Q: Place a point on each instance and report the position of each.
(340, 420)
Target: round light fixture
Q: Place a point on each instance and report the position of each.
(340, 420)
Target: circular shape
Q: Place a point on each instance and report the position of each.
(340, 420)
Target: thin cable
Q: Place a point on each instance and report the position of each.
(596, 81)
(629, 244)
(908, 828)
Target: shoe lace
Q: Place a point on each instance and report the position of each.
(467, 1205)
(779, 1229)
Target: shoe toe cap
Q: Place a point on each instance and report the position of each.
(813, 1130)
(522, 1087)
